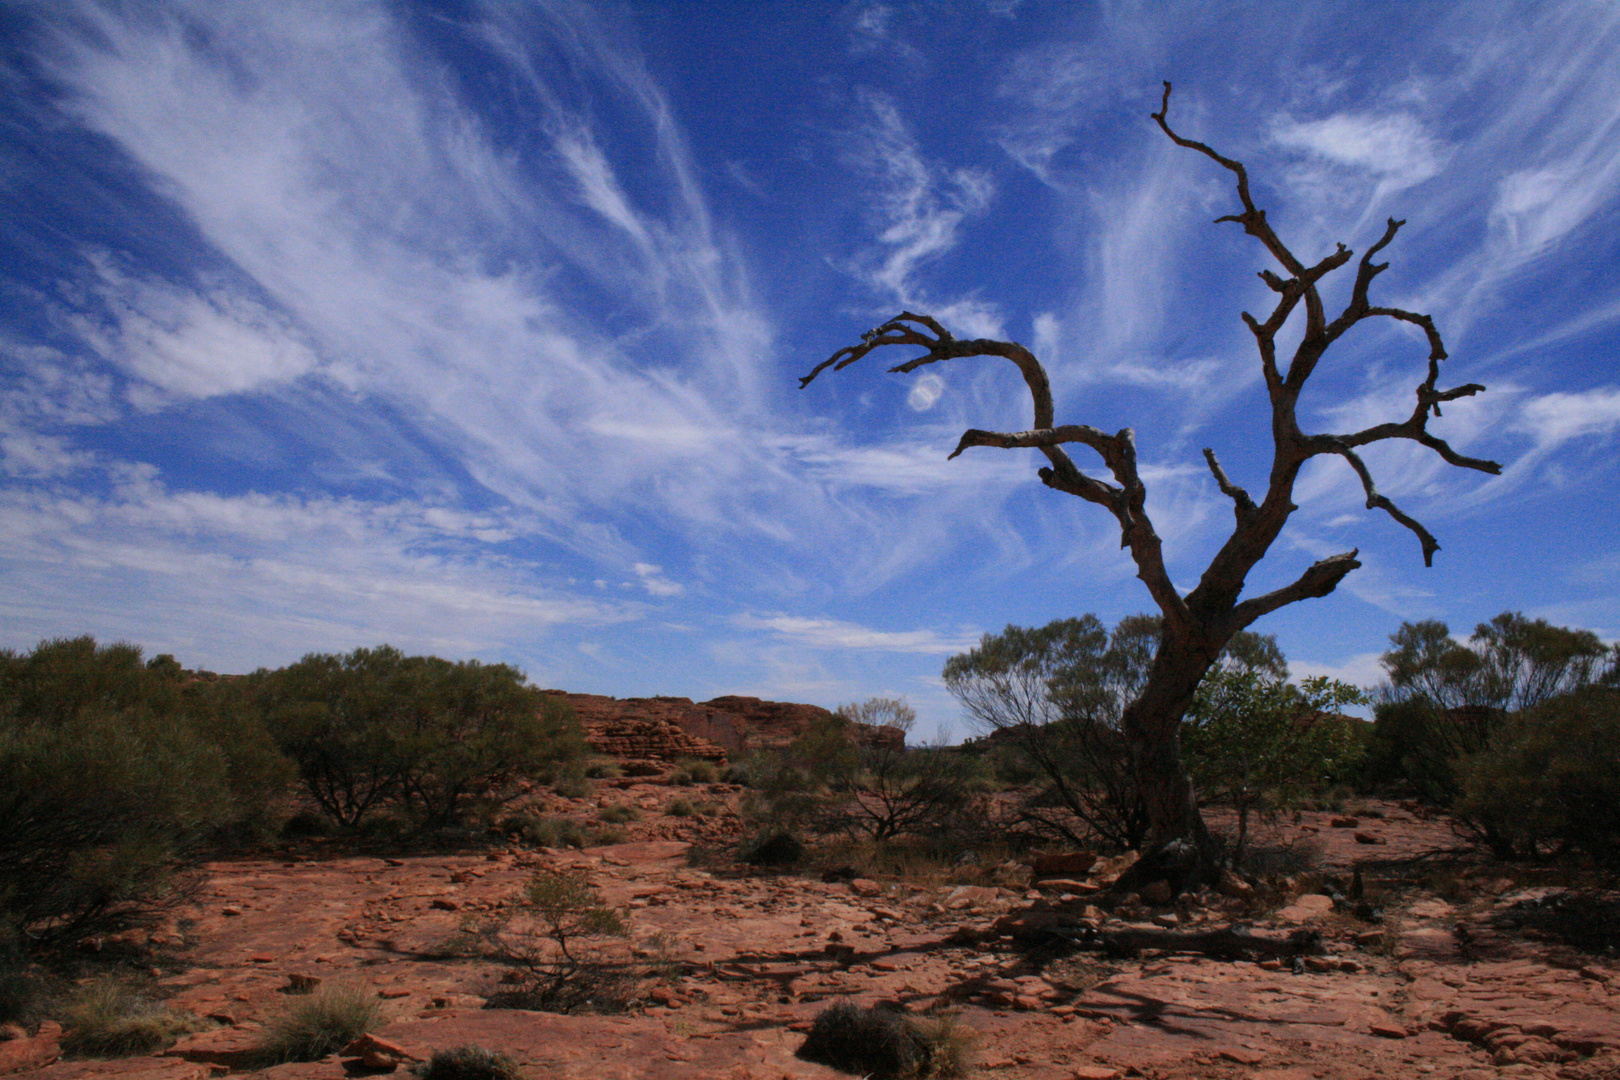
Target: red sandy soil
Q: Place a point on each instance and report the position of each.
(1436, 989)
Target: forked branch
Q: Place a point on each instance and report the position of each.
(1216, 599)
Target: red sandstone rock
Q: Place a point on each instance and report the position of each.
(20, 1055)
(1067, 864)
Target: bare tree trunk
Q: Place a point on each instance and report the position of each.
(1179, 849)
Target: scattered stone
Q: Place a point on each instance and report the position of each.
(376, 1052)
(1066, 864)
(1367, 838)
(25, 1054)
(1307, 907)
(1344, 822)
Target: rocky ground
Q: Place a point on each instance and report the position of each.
(1459, 977)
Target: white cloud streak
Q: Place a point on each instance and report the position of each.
(837, 634)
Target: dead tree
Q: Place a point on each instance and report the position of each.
(1198, 625)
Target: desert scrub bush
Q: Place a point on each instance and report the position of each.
(313, 1026)
(605, 836)
(546, 830)
(887, 1044)
(603, 769)
(618, 814)
(109, 1019)
(427, 737)
(115, 777)
(469, 1063)
(1550, 781)
(553, 935)
(680, 808)
(771, 847)
(571, 787)
(689, 770)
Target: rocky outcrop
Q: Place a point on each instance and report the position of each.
(748, 723)
(642, 729)
(666, 728)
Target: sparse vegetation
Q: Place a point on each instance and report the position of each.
(107, 1018)
(375, 729)
(571, 787)
(311, 1026)
(618, 814)
(1549, 783)
(1456, 721)
(690, 770)
(887, 1044)
(1261, 744)
(116, 776)
(553, 936)
(1053, 700)
(469, 1063)
(548, 830)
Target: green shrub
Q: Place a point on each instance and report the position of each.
(311, 1027)
(553, 935)
(689, 770)
(572, 787)
(107, 1019)
(772, 848)
(543, 830)
(886, 1044)
(115, 776)
(469, 1063)
(1549, 782)
(375, 728)
(610, 834)
(1260, 743)
(618, 814)
(305, 824)
(680, 808)
(603, 769)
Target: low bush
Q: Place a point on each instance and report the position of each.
(571, 787)
(311, 1027)
(609, 834)
(772, 848)
(469, 1063)
(686, 808)
(545, 830)
(1549, 782)
(427, 738)
(694, 771)
(887, 1044)
(553, 936)
(618, 814)
(108, 1019)
(116, 776)
(604, 769)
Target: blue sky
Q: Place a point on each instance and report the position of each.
(476, 327)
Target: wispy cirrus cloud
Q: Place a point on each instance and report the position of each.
(919, 208)
(838, 634)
